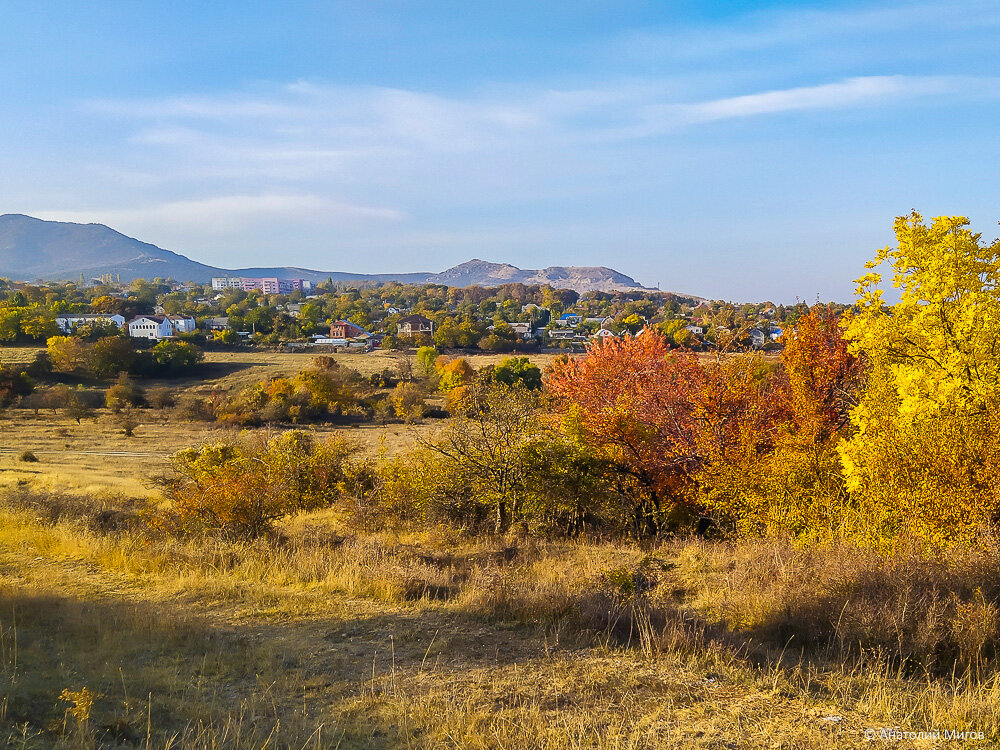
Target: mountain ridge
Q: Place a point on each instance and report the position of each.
(33, 249)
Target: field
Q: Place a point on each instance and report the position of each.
(324, 636)
(95, 457)
(420, 642)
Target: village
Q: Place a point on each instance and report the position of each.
(295, 314)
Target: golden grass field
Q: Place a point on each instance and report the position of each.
(334, 642)
(325, 637)
(95, 456)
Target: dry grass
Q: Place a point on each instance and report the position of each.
(320, 639)
(94, 456)
(88, 457)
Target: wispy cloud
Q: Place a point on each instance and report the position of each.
(228, 213)
(312, 121)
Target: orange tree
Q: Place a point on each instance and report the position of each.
(777, 469)
(636, 403)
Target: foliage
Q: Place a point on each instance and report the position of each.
(408, 402)
(637, 405)
(67, 354)
(426, 357)
(922, 459)
(174, 357)
(775, 468)
(518, 371)
(110, 356)
(78, 408)
(324, 392)
(453, 373)
(124, 394)
(241, 488)
(14, 385)
(161, 397)
(484, 446)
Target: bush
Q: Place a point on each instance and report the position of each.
(241, 488)
(161, 397)
(124, 394)
(28, 457)
(520, 372)
(408, 402)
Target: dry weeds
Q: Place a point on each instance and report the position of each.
(316, 638)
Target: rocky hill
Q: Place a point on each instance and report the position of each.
(33, 249)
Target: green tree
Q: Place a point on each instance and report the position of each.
(111, 356)
(518, 371)
(176, 356)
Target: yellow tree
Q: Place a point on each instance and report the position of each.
(921, 459)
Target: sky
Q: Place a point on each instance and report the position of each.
(733, 150)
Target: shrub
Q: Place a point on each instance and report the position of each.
(408, 402)
(161, 397)
(28, 457)
(518, 371)
(123, 394)
(242, 488)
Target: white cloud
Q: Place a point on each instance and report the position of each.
(340, 121)
(231, 213)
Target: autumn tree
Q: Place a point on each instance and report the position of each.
(241, 488)
(636, 403)
(778, 470)
(481, 450)
(923, 458)
(67, 354)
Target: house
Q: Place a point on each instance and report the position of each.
(345, 330)
(414, 325)
(561, 335)
(522, 329)
(295, 310)
(181, 323)
(150, 327)
(569, 320)
(759, 337)
(217, 324)
(697, 330)
(68, 323)
(604, 333)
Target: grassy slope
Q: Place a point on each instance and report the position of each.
(330, 643)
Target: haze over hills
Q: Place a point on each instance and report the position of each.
(33, 249)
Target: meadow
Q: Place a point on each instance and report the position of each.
(320, 639)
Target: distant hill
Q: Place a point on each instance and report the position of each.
(33, 249)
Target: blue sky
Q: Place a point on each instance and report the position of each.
(743, 151)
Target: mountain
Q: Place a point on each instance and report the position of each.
(33, 249)
(580, 278)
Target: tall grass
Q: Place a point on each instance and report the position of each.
(906, 639)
